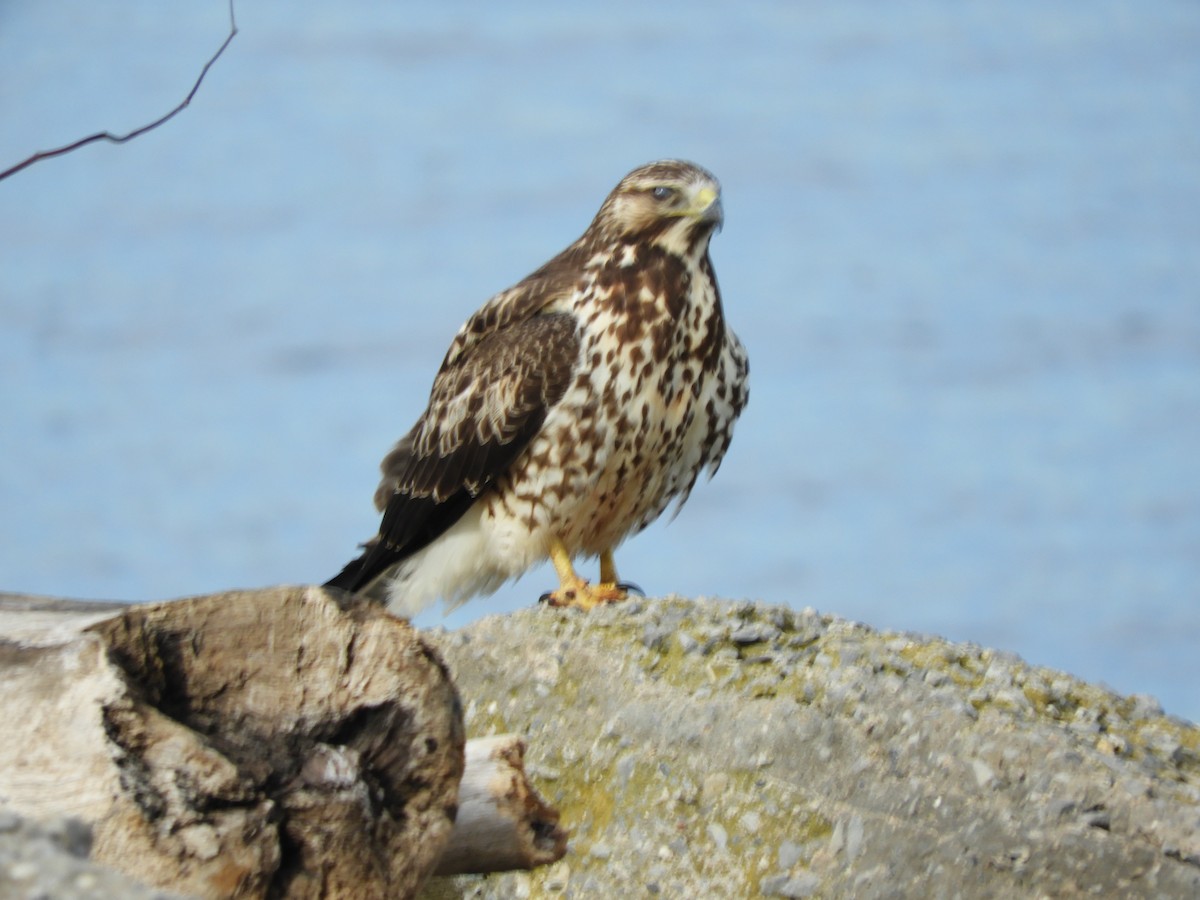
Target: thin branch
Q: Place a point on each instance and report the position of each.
(137, 132)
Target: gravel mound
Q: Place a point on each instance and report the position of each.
(717, 749)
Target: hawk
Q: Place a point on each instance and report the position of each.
(569, 411)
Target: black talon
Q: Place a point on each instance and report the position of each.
(630, 588)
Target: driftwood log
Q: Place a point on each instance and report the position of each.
(502, 823)
(287, 742)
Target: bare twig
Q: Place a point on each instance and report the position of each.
(122, 138)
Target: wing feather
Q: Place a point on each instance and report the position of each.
(488, 401)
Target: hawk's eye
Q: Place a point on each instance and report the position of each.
(662, 192)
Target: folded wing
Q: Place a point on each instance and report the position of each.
(488, 402)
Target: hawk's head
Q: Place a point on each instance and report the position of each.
(672, 203)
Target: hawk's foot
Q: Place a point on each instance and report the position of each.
(574, 591)
(579, 594)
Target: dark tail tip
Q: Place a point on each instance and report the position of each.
(361, 573)
(350, 578)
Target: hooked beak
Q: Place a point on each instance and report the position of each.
(706, 206)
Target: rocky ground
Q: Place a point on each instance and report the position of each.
(717, 749)
(702, 748)
(49, 862)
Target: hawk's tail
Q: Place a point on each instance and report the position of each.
(358, 575)
(350, 578)
(409, 524)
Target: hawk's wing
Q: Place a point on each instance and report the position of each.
(508, 365)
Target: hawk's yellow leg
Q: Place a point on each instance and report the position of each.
(574, 591)
(608, 569)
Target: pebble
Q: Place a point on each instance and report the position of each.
(1145, 706)
(655, 634)
(984, 775)
(557, 876)
(854, 838)
(784, 885)
(626, 766)
(715, 785)
(22, 871)
(687, 643)
(789, 854)
(750, 822)
(1013, 700)
(754, 633)
(718, 835)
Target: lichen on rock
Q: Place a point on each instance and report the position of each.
(729, 749)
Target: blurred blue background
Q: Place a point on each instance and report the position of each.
(962, 245)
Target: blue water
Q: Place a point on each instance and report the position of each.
(962, 245)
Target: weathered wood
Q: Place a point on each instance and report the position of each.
(285, 741)
(502, 823)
